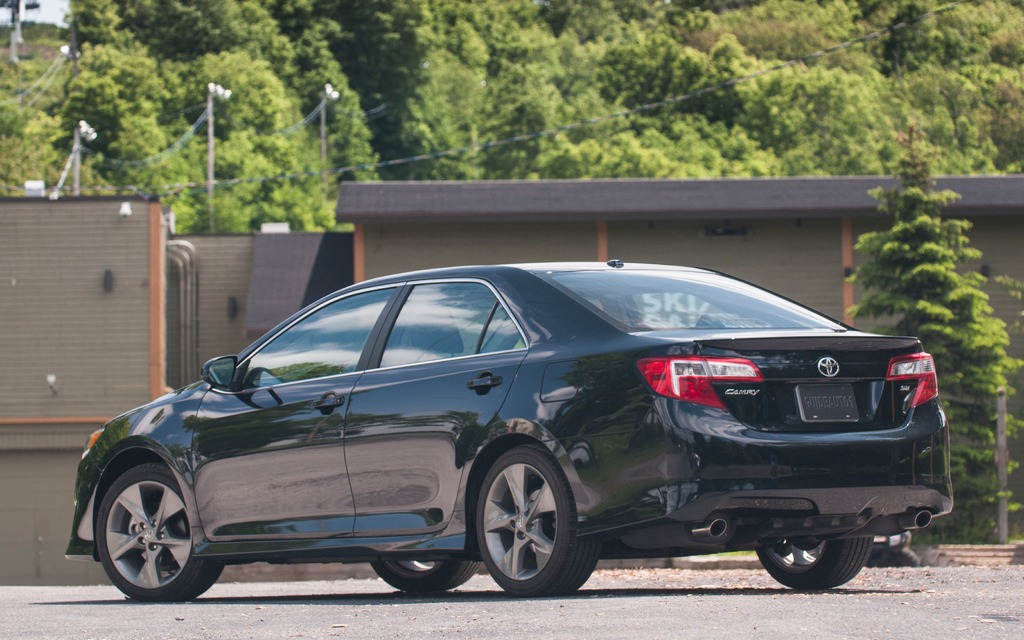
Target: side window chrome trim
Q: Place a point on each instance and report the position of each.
(252, 390)
(450, 359)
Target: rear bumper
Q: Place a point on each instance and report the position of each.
(712, 454)
(767, 486)
(816, 513)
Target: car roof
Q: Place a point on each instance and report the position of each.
(530, 267)
(497, 274)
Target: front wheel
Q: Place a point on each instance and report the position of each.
(145, 541)
(414, 576)
(527, 528)
(827, 565)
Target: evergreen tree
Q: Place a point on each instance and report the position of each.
(915, 277)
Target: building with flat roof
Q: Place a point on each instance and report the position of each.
(101, 310)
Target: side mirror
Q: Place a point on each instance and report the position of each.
(219, 372)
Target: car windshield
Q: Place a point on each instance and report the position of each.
(663, 300)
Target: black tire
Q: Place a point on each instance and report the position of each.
(830, 564)
(425, 577)
(527, 527)
(144, 539)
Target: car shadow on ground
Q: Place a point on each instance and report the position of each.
(394, 597)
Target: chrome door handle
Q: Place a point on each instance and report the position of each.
(484, 383)
(328, 402)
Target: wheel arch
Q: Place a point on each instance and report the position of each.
(489, 454)
(122, 462)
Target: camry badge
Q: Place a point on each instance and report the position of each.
(828, 367)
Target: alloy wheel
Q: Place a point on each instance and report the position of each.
(147, 534)
(793, 559)
(520, 521)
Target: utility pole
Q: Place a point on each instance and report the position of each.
(83, 129)
(1002, 465)
(74, 160)
(73, 47)
(330, 95)
(17, 9)
(213, 90)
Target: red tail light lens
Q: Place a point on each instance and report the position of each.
(690, 378)
(919, 367)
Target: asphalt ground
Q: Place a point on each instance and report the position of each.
(929, 602)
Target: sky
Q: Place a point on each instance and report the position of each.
(51, 11)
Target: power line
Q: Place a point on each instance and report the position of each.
(182, 112)
(370, 114)
(180, 143)
(175, 147)
(43, 82)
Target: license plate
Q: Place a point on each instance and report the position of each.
(827, 403)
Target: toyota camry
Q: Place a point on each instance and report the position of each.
(532, 418)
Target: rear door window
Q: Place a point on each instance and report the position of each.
(449, 320)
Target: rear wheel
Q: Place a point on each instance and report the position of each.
(827, 565)
(425, 577)
(145, 541)
(527, 528)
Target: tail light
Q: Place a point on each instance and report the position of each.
(919, 367)
(691, 379)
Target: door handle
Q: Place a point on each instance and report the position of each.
(484, 383)
(328, 402)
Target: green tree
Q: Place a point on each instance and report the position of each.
(99, 22)
(456, 74)
(184, 29)
(383, 47)
(789, 29)
(27, 151)
(819, 121)
(946, 40)
(915, 278)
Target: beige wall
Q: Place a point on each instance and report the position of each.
(1001, 242)
(55, 317)
(36, 511)
(769, 254)
(225, 267)
(801, 259)
(396, 248)
(105, 348)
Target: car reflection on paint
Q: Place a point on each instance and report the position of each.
(535, 418)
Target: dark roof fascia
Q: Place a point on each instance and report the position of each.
(616, 200)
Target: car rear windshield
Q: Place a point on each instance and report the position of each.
(656, 300)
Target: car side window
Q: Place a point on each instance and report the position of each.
(448, 320)
(501, 333)
(327, 342)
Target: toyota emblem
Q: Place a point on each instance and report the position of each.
(828, 367)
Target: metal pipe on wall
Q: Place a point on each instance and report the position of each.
(181, 254)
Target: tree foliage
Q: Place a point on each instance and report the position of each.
(915, 277)
(445, 79)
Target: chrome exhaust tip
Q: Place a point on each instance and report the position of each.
(716, 529)
(915, 519)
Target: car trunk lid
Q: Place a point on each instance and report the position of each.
(840, 382)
